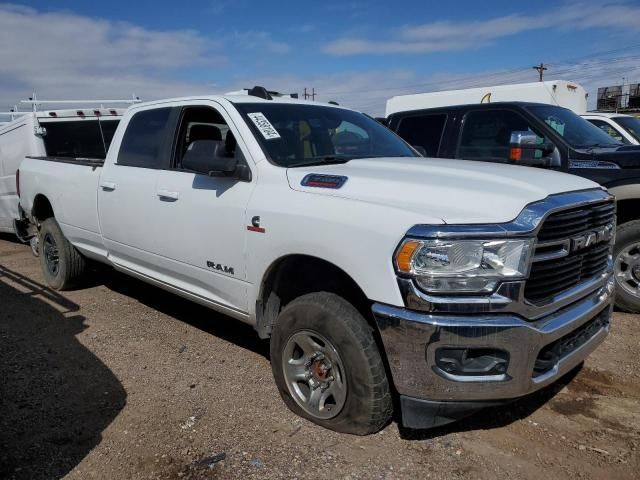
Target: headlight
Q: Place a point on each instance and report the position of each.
(463, 266)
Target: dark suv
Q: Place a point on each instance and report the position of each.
(545, 136)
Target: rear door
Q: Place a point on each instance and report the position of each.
(127, 190)
(203, 217)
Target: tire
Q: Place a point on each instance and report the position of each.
(62, 265)
(626, 257)
(362, 403)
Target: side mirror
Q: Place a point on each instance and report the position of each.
(420, 149)
(524, 144)
(209, 158)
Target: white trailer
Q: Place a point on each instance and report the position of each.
(556, 92)
(78, 132)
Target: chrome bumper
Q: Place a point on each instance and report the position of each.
(411, 339)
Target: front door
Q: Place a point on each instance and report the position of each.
(203, 217)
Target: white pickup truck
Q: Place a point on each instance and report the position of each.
(375, 273)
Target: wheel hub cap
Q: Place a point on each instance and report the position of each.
(313, 371)
(627, 269)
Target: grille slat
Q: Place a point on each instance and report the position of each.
(551, 277)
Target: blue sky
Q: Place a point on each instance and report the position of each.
(358, 53)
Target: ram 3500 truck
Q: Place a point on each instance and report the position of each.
(373, 272)
(546, 136)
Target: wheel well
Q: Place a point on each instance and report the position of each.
(42, 208)
(296, 275)
(628, 209)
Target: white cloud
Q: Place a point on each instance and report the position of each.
(450, 36)
(64, 55)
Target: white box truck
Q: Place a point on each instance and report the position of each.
(556, 92)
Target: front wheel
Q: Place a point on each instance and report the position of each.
(327, 366)
(62, 265)
(626, 257)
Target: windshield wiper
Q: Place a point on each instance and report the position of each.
(328, 160)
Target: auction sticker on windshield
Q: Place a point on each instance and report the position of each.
(267, 130)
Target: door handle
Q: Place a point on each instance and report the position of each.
(167, 195)
(108, 186)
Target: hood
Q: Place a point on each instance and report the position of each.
(456, 191)
(625, 157)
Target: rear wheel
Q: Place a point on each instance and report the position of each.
(626, 255)
(327, 366)
(61, 263)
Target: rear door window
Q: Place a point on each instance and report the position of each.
(144, 144)
(424, 131)
(486, 134)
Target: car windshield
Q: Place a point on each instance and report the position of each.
(577, 132)
(295, 135)
(631, 125)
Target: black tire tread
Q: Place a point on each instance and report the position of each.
(379, 403)
(72, 264)
(629, 231)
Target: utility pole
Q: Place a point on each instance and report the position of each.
(540, 68)
(311, 95)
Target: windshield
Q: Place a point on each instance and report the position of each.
(296, 135)
(577, 131)
(631, 125)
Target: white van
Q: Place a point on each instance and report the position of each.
(556, 92)
(75, 133)
(624, 128)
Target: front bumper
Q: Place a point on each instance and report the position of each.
(411, 339)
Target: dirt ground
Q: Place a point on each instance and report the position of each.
(122, 380)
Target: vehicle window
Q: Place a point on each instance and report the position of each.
(79, 139)
(203, 123)
(608, 129)
(144, 138)
(297, 134)
(576, 131)
(631, 125)
(486, 134)
(423, 130)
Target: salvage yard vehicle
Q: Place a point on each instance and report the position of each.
(545, 136)
(561, 93)
(374, 273)
(65, 134)
(624, 128)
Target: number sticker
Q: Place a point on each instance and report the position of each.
(267, 130)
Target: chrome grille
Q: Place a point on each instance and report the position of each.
(556, 267)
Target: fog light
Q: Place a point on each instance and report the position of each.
(472, 361)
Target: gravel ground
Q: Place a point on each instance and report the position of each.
(122, 380)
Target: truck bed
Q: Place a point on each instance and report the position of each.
(70, 187)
